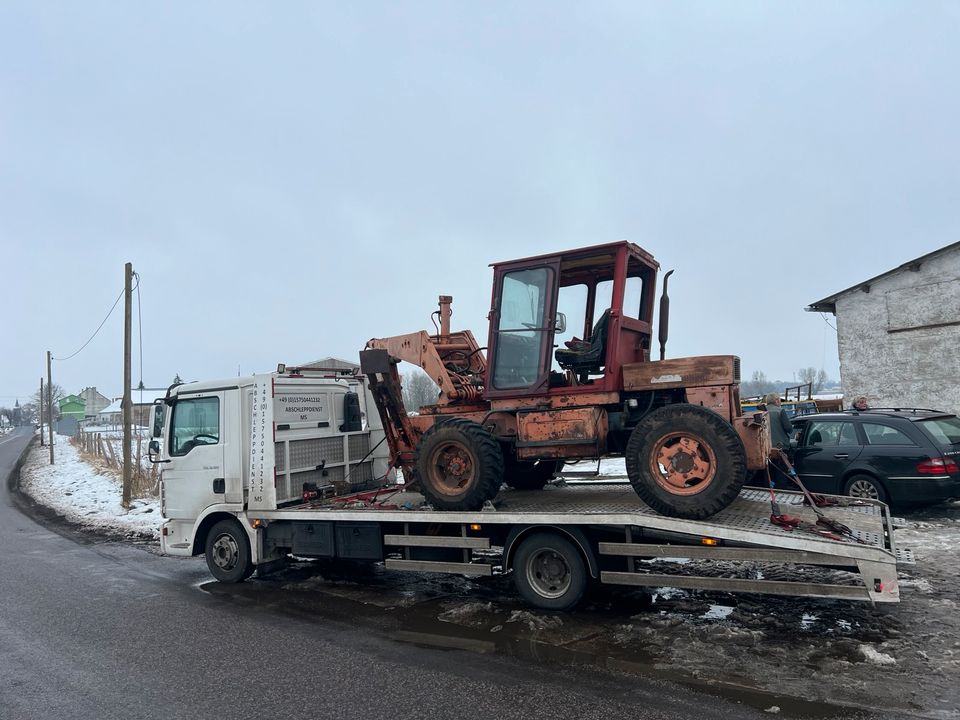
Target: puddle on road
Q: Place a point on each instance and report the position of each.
(482, 616)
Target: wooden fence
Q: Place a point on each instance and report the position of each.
(107, 450)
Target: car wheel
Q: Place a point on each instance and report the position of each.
(866, 488)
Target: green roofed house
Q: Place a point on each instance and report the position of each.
(72, 406)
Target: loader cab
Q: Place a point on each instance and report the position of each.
(568, 322)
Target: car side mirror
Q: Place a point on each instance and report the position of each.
(560, 324)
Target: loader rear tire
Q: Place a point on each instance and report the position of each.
(459, 465)
(686, 461)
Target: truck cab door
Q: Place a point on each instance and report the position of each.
(195, 477)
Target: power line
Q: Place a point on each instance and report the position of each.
(112, 308)
(827, 322)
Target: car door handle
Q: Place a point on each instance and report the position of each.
(840, 456)
(219, 486)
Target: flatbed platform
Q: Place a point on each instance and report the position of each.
(742, 532)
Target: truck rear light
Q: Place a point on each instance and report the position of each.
(938, 466)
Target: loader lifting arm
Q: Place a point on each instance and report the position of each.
(384, 384)
(453, 360)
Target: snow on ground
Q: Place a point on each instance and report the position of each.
(84, 494)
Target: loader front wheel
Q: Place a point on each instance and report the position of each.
(686, 461)
(459, 465)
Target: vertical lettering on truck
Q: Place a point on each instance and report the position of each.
(262, 491)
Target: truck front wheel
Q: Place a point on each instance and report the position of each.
(228, 552)
(549, 572)
(686, 461)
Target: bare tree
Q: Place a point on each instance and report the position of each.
(28, 413)
(816, 378)
(418, 390)
(758, 384)
(37, 401)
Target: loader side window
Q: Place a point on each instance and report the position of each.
(523, 327)
(572, 302)
(196, 421)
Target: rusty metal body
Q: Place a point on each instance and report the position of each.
(604, 385)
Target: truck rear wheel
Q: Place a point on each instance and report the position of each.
(549, 572)
(228, 552)
(528, 475)
(686, 461)
(459, 465)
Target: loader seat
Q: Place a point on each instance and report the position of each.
(586, 356)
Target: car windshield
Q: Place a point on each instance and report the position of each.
(943, 430)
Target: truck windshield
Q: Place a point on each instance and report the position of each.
(195, 422)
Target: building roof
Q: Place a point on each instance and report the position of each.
(331, 363)
(829, 303)
(149, 396)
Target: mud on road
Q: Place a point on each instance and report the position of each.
(794, 657)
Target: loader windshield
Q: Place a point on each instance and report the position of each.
(523, 327)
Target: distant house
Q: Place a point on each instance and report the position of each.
(72, 406)
(94, 402)
(898, 334)
(142, 400)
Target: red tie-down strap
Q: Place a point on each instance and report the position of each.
(785, 521)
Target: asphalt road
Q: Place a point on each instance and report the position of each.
(92, 629)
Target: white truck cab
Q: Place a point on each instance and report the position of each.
(260, 442)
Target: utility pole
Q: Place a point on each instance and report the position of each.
(42, 443)
(49, 407)
(127, 381)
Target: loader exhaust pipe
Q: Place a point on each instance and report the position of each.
(445, 313)
(664, 329)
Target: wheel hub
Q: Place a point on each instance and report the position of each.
(683, 464)
(453, 469)
(864, 489)
(548, 573)
(225, 552)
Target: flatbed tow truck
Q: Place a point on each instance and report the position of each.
(257, 469)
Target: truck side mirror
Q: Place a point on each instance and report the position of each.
(159, 413)
(154, 447)
(560, 324)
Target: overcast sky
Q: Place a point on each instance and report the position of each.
(292, 179)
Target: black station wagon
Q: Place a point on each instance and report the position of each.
(900, 456)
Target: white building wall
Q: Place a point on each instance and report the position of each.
(95, 401)
(900, 342)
